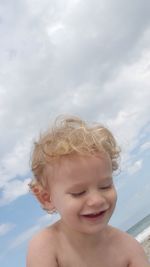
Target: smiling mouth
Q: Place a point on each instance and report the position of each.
(94, 215)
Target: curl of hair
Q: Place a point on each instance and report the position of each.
(71, 135)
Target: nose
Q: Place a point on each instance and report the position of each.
(96, 199)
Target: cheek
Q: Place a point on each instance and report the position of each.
(71, 207)
(64, 204)
(57, 199)
(114, 196)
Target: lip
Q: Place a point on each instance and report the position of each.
(94, 216)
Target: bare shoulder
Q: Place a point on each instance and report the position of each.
(42, 249)
(131, 248)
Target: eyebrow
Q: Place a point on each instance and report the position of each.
(107, 179)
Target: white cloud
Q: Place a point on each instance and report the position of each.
(13, 168)
(6, 228)
(145, 146)
(135, 167)
(14, 189)
(16, 163)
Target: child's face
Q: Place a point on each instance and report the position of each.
(83, 192)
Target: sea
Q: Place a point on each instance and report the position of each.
(141, 230)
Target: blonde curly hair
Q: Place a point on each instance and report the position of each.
(70, 135)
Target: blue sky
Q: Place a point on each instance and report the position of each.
(86, 58)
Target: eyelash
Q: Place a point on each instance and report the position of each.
(106, 187)
(81, 193)
(77, 194)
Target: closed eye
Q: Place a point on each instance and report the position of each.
(77, 194)
(106, 187)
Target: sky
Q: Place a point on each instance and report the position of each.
(85, 58)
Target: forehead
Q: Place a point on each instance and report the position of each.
(76, 168)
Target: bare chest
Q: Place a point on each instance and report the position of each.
(85, 263)
(81, 259)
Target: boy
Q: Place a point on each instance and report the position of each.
(73, 165)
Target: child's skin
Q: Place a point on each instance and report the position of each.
(82, 186)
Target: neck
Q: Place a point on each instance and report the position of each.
(83, 240)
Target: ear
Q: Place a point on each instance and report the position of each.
(43, 197)
(46, 201)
